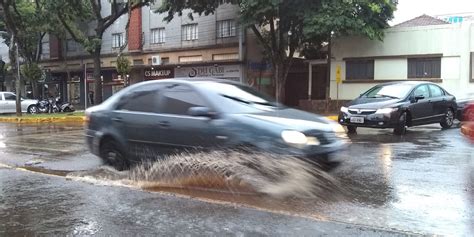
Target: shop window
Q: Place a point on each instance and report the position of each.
(188, 59)
(359, 69)
(227, 56)
(190, 32)
(71, 45)
(424, 67)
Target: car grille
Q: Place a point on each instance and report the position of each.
(361, 111)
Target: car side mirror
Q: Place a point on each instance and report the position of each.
(419, 97)
(201, 112)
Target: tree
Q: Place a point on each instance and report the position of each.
(78, 16)
(24, 25)
(123, 68)
(284, 27)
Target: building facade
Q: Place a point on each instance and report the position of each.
(433, 51)
(205, 46)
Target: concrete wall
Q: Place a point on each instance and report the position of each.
(454, 42)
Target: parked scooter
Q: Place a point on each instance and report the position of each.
(61, 106)
(44, 106)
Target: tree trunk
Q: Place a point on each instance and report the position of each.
(34, 84)
(280, 74)
(97, 78)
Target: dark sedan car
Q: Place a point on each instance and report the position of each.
(399, 105)
(169, 116)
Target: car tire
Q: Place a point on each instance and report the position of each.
(112, 155)
(32, 109)
(448, 119)
(401, 127)
(351, 129)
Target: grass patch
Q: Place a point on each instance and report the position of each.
(52, 115)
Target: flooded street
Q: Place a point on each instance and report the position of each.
(421, 183)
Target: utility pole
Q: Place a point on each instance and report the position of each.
(18, 84)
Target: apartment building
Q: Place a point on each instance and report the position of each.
(205, 46)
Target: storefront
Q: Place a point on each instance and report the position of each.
(153, 73)
(229, 72)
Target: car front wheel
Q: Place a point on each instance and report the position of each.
(32, 109)
(351, 129)
(448, 119)
(401, 127)
(113, 155)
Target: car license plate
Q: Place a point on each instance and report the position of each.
(357, 120)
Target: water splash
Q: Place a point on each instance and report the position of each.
(264, 173)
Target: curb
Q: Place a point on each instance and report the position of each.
(70, 119)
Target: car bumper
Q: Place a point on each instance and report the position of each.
(370, 121)
(92, 141)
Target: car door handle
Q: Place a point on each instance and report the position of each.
(117, 119)
(164, 124)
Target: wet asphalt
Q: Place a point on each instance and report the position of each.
(417, 184)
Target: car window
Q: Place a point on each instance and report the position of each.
(179, 98)
(436, 91)
(140, 101)
(391, 91)
(422, 91)
(9, 96)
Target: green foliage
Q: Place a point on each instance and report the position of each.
(31, 72)
(123, 65)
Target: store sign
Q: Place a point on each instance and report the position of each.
(223, 71)
(154, 74)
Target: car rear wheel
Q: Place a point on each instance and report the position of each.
(401, 127)
(351, 129)
(32, 109)
(448, 119)
(113, 155)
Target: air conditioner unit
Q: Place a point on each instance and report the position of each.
(156, 60)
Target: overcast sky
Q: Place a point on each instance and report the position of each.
(408, 9)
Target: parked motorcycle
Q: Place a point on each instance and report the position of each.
(54, 105)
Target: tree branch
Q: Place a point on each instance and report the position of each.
(70, 30)
(96, 7)
(260, 38)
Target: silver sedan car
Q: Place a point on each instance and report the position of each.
(8, 104)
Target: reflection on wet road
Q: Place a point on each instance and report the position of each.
(419, 183)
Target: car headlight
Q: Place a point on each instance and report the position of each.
(386, 110)
(344, 109)
(294, 137)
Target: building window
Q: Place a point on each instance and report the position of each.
(165, 61)
(424, 67)
(45, 50)
(359, 69)
(71, 45)
(226, 29)
(158, 36)
(188, 59)
(117, 40)
(226, 56)
(190, 32)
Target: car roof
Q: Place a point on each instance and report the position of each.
(413, 83)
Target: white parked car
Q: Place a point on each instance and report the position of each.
(8, 104)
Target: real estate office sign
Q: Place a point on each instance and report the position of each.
(231, 72)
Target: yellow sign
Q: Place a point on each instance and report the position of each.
(338, 74)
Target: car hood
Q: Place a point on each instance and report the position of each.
(372, 103)
(291, 119)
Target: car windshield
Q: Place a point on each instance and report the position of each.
(243, 98)
(394, 91)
